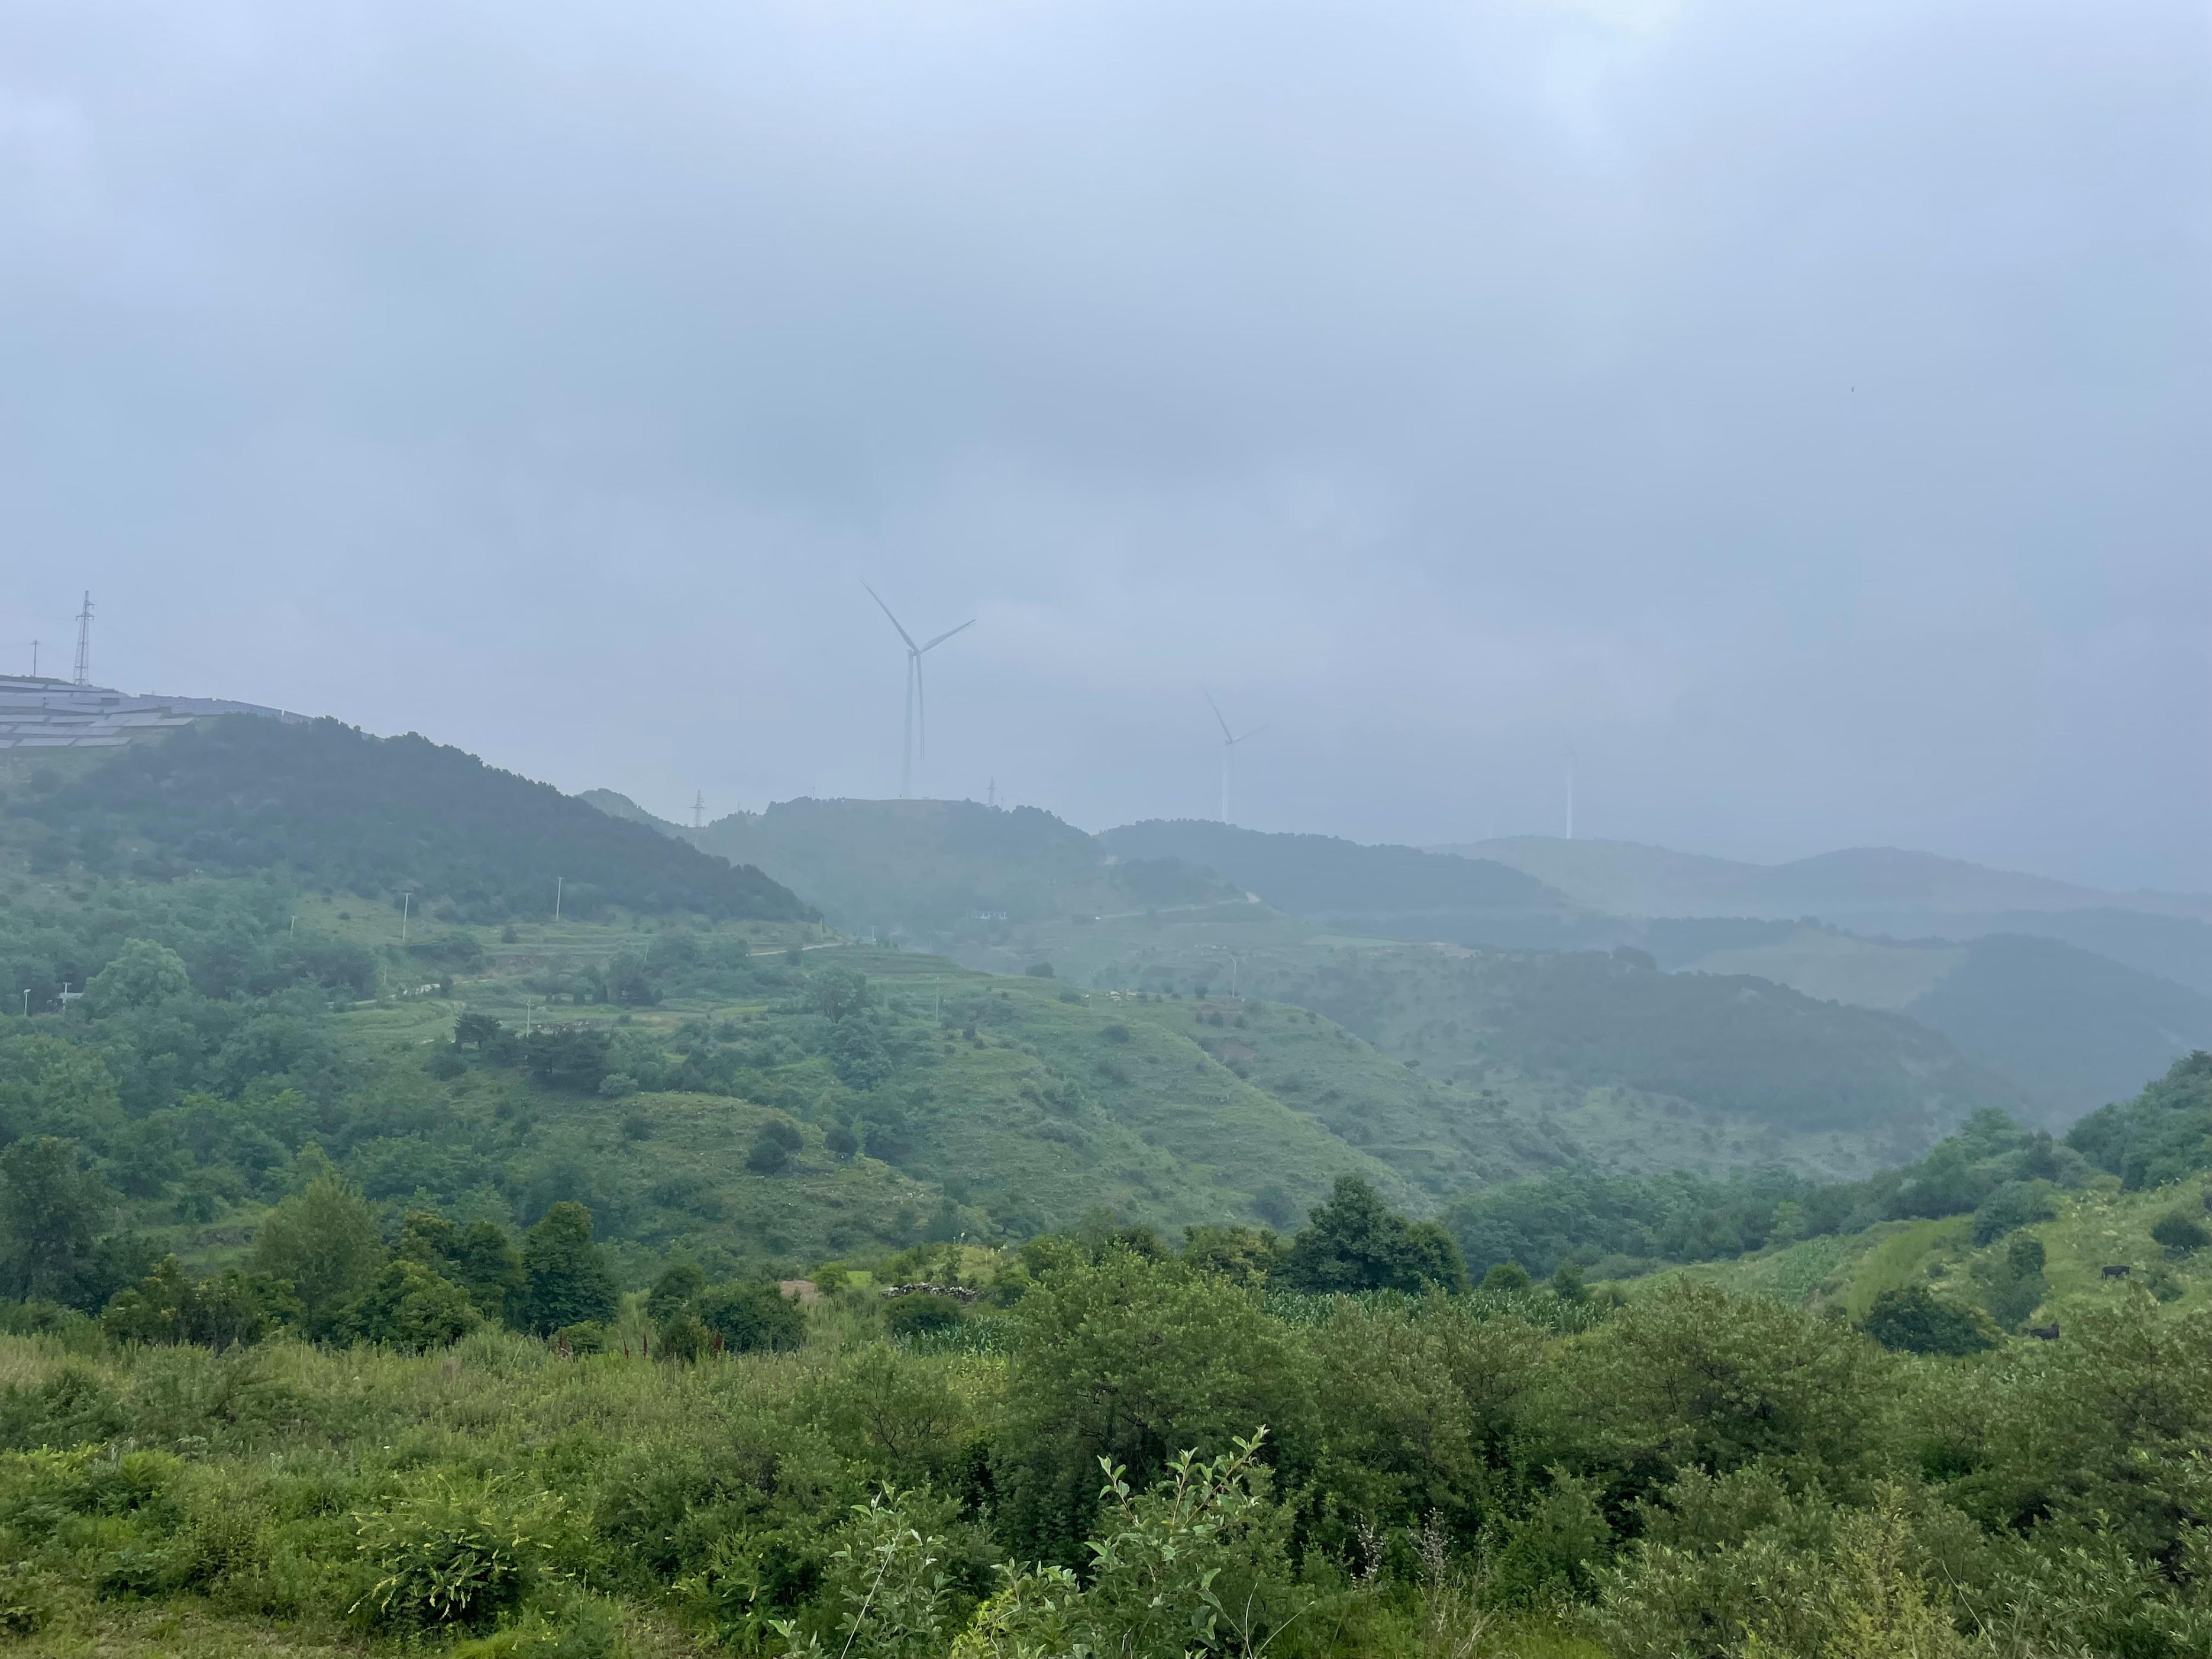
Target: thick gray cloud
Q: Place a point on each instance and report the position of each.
(1802, 410)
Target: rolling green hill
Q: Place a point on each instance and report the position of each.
(327, 805)
(943, 870)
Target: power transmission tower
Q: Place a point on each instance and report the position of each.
(991, 795)
(699, 811)
(84, 642)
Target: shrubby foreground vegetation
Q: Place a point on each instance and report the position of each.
(1094, 1444)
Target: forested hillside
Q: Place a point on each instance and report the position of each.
(329, 806)
(1643, 1070)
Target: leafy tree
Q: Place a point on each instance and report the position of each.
(50, 1086)
(409, 1306)
(51, 1208)
(750, 1317)
(1507, 1276)
(838, 993)
(674, 1290)
(324, 1240)
(629, 984)
(858, 1055)
(138, 976)
(1355, 1243)
(1246, 1255)
(480, 1257)
(566, 1282)
(575, 1060)
(475, 1030)
(1913, 1319)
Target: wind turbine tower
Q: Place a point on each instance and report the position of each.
(1229, 742)
(916, 704)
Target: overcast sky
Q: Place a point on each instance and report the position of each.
(1802, 410)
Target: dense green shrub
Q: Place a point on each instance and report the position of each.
(751, 1316)
(409, 1306)
(922, 1314)
(1914, 1319)
(2180, 1232)
(444, 1554)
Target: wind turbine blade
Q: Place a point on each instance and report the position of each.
(886, 609)
(1253, 732)
(947, 634)
(1216, 707)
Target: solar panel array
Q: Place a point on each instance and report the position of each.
(50, 714)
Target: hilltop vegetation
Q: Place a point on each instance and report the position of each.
(327, 805)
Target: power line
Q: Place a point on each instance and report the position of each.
(84, 642)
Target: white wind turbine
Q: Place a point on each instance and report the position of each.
(1229, 742)
(916, 701)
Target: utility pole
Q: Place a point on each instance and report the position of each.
(84, 642)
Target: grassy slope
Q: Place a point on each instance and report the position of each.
(2100, 1227)
(1159, 1128)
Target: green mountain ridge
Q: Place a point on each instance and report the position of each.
(329, 806)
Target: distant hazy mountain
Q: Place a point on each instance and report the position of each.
(2072, 1028)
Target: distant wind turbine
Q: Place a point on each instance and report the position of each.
(916, 701)
(1229, 742)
